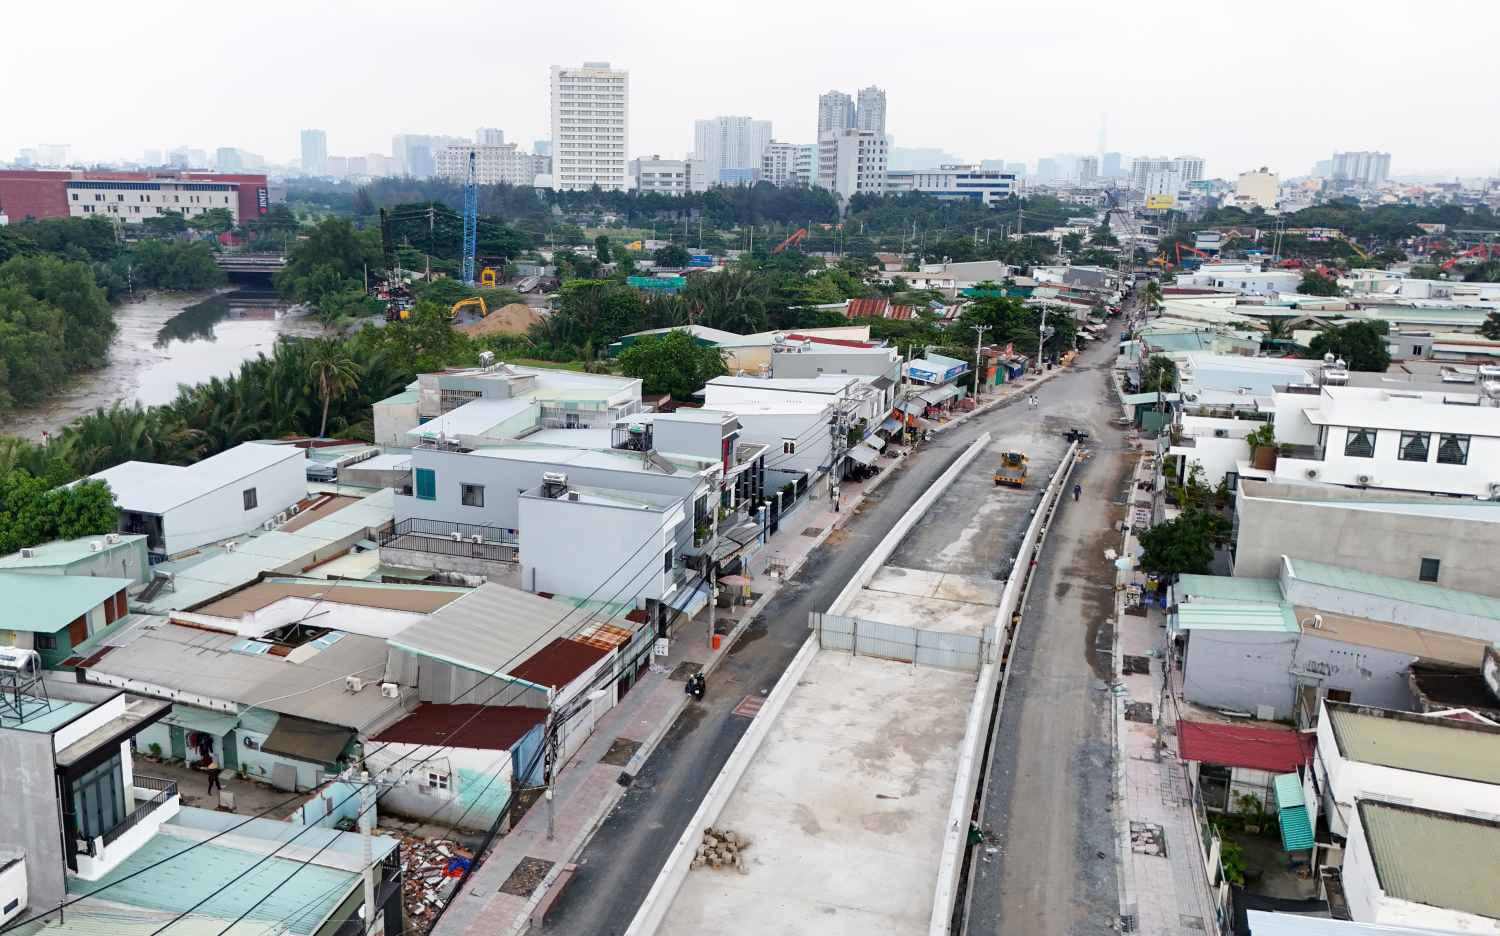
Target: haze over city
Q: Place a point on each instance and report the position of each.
(1283, 84)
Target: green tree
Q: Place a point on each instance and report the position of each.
(333, 253)
(1072, 242)
(214, 220)
(1179, 546)
(672, 255)
(167, 223)
(1361, 344)
(158, 264)
(83, 509)
(672, 363)
(601, 248)
(1316, 284)
(1491, 327)
(31, 513)
(1160, 374)
(334, 372)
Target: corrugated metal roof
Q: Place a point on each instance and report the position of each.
(559, 663)
(193, 718)
(201, 662)
(1438, 859)
(98, 917)
(271, 893)
(1296, 829)
(475, 417)
(1441, 746)
(1250, 746)
(392, 597)
(484, 727)
(490, 629)
(66, 552)
(1385, 586)
(153, 488)
(1228, 588)
(1236, 616)
(310, 741)
(47, 603)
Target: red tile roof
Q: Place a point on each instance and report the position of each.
(1280, 750)
(901, 312)
(559, 663)
(485, 727)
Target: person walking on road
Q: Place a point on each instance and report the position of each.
(213, 776)
(1077, 490)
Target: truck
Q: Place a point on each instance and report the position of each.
(1011, 470)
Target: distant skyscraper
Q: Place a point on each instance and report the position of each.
(852, 162)
(590, 127)
(229, 159)
(729, 145)
(870, 114)
(52, 154)
(489, 136)
(1088, 168)
(1110, 167)
(1046, 168)
(789, 165)
(315, 152)
(836, 111)
(1323, 168)
(1019, 168)
(1190, 168)
(1366, 169)
(152, 157)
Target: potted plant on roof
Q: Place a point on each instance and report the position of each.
(1263, 450)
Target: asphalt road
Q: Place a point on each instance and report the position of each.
(1048, 863)
(619, 865)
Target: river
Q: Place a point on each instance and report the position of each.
(166, 339)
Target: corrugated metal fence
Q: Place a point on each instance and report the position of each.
(863, 637)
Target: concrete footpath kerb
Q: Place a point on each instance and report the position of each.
(976, 727)
(664, 890)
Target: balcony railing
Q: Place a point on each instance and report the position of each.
(442, 537)
(151, 793)
(1304, 452)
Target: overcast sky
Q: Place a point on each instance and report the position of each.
(1280, 83)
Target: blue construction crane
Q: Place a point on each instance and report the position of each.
(471, 216)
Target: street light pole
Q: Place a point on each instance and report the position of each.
(979, 331)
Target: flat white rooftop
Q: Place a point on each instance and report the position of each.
(935, 601)
(847, 851)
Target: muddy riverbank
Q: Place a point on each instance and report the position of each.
(167, 339)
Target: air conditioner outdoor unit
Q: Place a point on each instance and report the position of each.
(281, 517)
(1221, 433)
(353, 683)
(390, 690)
(456, 536)
(96, 546)
(28, 553)
(476, 538)
(1311, 474)
(1365, 479)
(1495, 488)
(111, 538)
(268, 525)
(231, 546)
(294, 509)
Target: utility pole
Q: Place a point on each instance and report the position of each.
(366, 822)
(1041, 344)
(428, 274)
(979, 331)
(839, 444)
(549, 763)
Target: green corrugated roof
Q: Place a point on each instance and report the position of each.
(1236, 616)
(65, 552)
(1228, 588)
(1439, 859)
(1296, 828)
(1289, 791)
(1385, 586)
(193, 718)
(43, 717)
(404, 397)
(1438, 746)
(45, 604)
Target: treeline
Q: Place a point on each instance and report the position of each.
(118, 266)
(1380, 225)
(55, 321)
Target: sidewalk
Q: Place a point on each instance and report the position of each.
(587, 789)
(1164, 885)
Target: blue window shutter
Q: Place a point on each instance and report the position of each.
(426, 484)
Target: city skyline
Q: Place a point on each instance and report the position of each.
(362, 104)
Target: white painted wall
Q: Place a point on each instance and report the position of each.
(1342, 781)
(220, 514)
(405, 767)
(89, 722)
(808, 431)
(580, 549)
(392, 420)
(1389, 472)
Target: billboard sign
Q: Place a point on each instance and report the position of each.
(262, 199)
(1160, 202)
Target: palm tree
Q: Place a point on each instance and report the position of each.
(334, 371)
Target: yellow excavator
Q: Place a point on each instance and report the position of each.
(1012, 469)
(465, 303)
(487, 278)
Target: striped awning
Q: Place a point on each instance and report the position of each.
(1296, 829)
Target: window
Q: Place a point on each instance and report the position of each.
(1429, 572)
(1359, 443)
(667, 561)
(75, 196)
(437, 781)
(788, 446)
(1453, 449)
(1414, 446)
(99, 799)
(471, 495)
(249, 497)
(46, 642)
(426, 480)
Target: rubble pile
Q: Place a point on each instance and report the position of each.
(430, 871)
(722, 849)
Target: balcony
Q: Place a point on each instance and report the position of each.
(1303, 452)
(444, 538)
(156, 801)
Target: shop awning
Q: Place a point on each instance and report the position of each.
(938, 395)
(191, 718)
(875, 442)
(891, 424)
(914, 407)
(863, 454)
(306, 740)
(689, 600)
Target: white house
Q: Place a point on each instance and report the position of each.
(1416, 867)
(181, 508)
